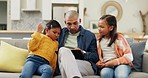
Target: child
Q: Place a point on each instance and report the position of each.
(42, 57)
(113, 49)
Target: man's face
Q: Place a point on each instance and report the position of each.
(72, 24)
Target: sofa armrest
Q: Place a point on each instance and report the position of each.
(145, 63)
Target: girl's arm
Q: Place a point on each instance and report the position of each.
(36, 37)
(123, 52)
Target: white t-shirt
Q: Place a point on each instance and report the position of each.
(71, 41)
(108, 52)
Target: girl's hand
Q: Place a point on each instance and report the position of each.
(40, 28)
(110, 63)
(100, 64)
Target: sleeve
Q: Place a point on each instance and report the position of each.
(124, 48)
(123, 51)
(91, 53)
(54, 61)
(34, 42)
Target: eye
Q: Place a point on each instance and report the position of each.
(75, 23)
(56, 32)
(69, 23)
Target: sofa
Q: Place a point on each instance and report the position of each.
(17, 44)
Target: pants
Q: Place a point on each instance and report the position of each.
(36, 65)
(121, 71)
(70, 67)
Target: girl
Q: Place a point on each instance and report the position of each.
(114, 51)
(42, 57)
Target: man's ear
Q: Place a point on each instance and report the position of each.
(64, 21)
(79, 20)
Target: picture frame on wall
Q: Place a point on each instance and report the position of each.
(94, 26)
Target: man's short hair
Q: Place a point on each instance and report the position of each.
(71, 14)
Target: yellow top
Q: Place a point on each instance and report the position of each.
(45, 47)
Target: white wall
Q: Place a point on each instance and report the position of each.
(130, 18)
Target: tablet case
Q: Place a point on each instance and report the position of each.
(78, 54)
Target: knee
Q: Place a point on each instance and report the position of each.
(24, 76)
(47, 69)
(63, 50)
(121, 76)
(105, 73)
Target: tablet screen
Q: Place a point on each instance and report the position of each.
(78, 54)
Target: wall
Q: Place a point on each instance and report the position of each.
(130, 18)
(30, 18)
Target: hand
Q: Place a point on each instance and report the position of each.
(40, 28)
(110, 63)
(100, 64)
(79, 49)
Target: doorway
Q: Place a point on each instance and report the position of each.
(58, 11)
(3, 15)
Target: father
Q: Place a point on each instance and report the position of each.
(75, 37)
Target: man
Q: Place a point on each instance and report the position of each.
(75, 37)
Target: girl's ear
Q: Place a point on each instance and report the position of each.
(111, 28)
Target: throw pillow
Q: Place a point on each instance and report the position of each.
(12, 58)
(137, 50)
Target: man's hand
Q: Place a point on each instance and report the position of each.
(80, 50)
(40, 28)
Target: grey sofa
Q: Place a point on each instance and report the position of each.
(22, 43)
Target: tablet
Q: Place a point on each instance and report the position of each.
(78, 54)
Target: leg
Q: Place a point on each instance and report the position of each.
(85, 67)
(122, 71)
(45, 71)
(29, 69)
(107, 72)
(67, 63)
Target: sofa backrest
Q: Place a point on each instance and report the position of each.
(21, 43)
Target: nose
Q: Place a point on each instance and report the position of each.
(57, 35)
(72, 27)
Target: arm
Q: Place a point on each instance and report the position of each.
(123, 52)
(53, 62)
(91, 52)
(36, 37)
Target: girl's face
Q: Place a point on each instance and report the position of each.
(104, 28)
(53, 33)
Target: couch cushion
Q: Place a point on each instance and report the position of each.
(12, 58)
(21, 43)
(94, 76)
(137, 50)
(138, 75)
(13, 75)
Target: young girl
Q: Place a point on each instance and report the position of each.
(42, 57)
(113, 49)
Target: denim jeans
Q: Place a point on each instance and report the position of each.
(36, 65)
(120, 71)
